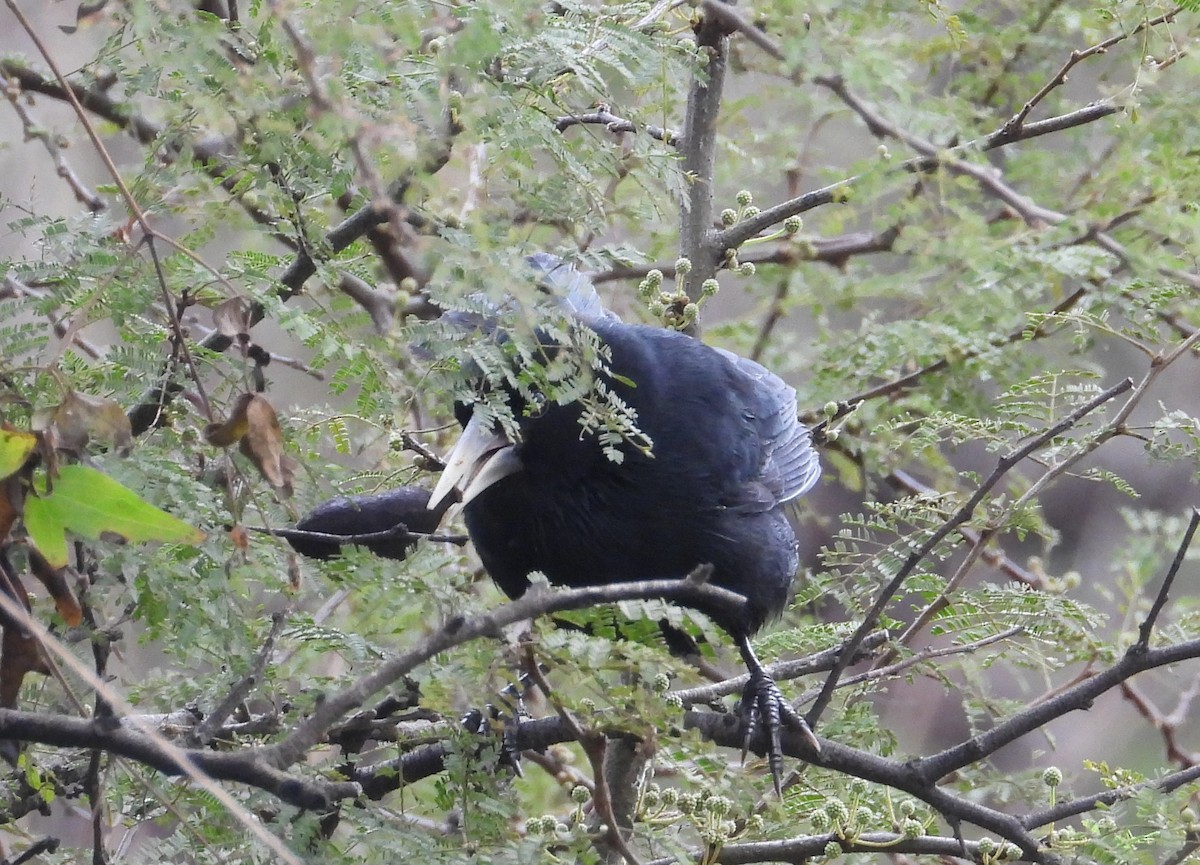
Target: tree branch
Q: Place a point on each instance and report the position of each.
(699, 149)
(958, 518)
(734, 236)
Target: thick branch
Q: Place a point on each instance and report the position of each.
(1080, 696)
(110, 735)
(462, 629)
(699, 156)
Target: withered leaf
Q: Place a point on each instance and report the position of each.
(79, 418)
(19, 649)
(232, 317)
(263, 444)
(240, 538)
(58, 583)
(255, 427)
(230, 432)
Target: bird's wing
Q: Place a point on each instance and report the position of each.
(790, 466)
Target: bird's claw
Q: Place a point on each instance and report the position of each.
(764, 709)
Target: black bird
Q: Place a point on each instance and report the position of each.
(727, 451)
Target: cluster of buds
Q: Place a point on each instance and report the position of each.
(674, 308)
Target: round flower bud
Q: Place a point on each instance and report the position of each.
(744, 198)
(709, 287)
(793, 224)
(746, 268)
(750, 212)
(912, 828)
(1052, 777)
(728, 216)
(837, 810)
(580, 794)
(719, 806)
(683, 266)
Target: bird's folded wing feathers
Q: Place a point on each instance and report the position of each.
(791, 465)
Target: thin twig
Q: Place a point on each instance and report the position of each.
(145, 745)
(603, 117)
(781, 671)
(35, 131)
(734, 236)
(964, 513)
(1160, 601)
(210, 726)
(1013, 124)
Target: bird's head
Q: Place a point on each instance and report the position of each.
(529, 372)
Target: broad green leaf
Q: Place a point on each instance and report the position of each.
(44, 524)
(90, 503)
(15, 448)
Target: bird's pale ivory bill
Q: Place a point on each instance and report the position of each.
(481, 457)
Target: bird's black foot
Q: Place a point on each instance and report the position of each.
(492, 720)
(764, 709)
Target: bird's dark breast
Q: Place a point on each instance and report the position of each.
(583, 519)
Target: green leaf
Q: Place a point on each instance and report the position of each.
(90, 503)
(15, 448)
(44, 524)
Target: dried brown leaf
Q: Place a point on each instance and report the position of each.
(58, 583)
